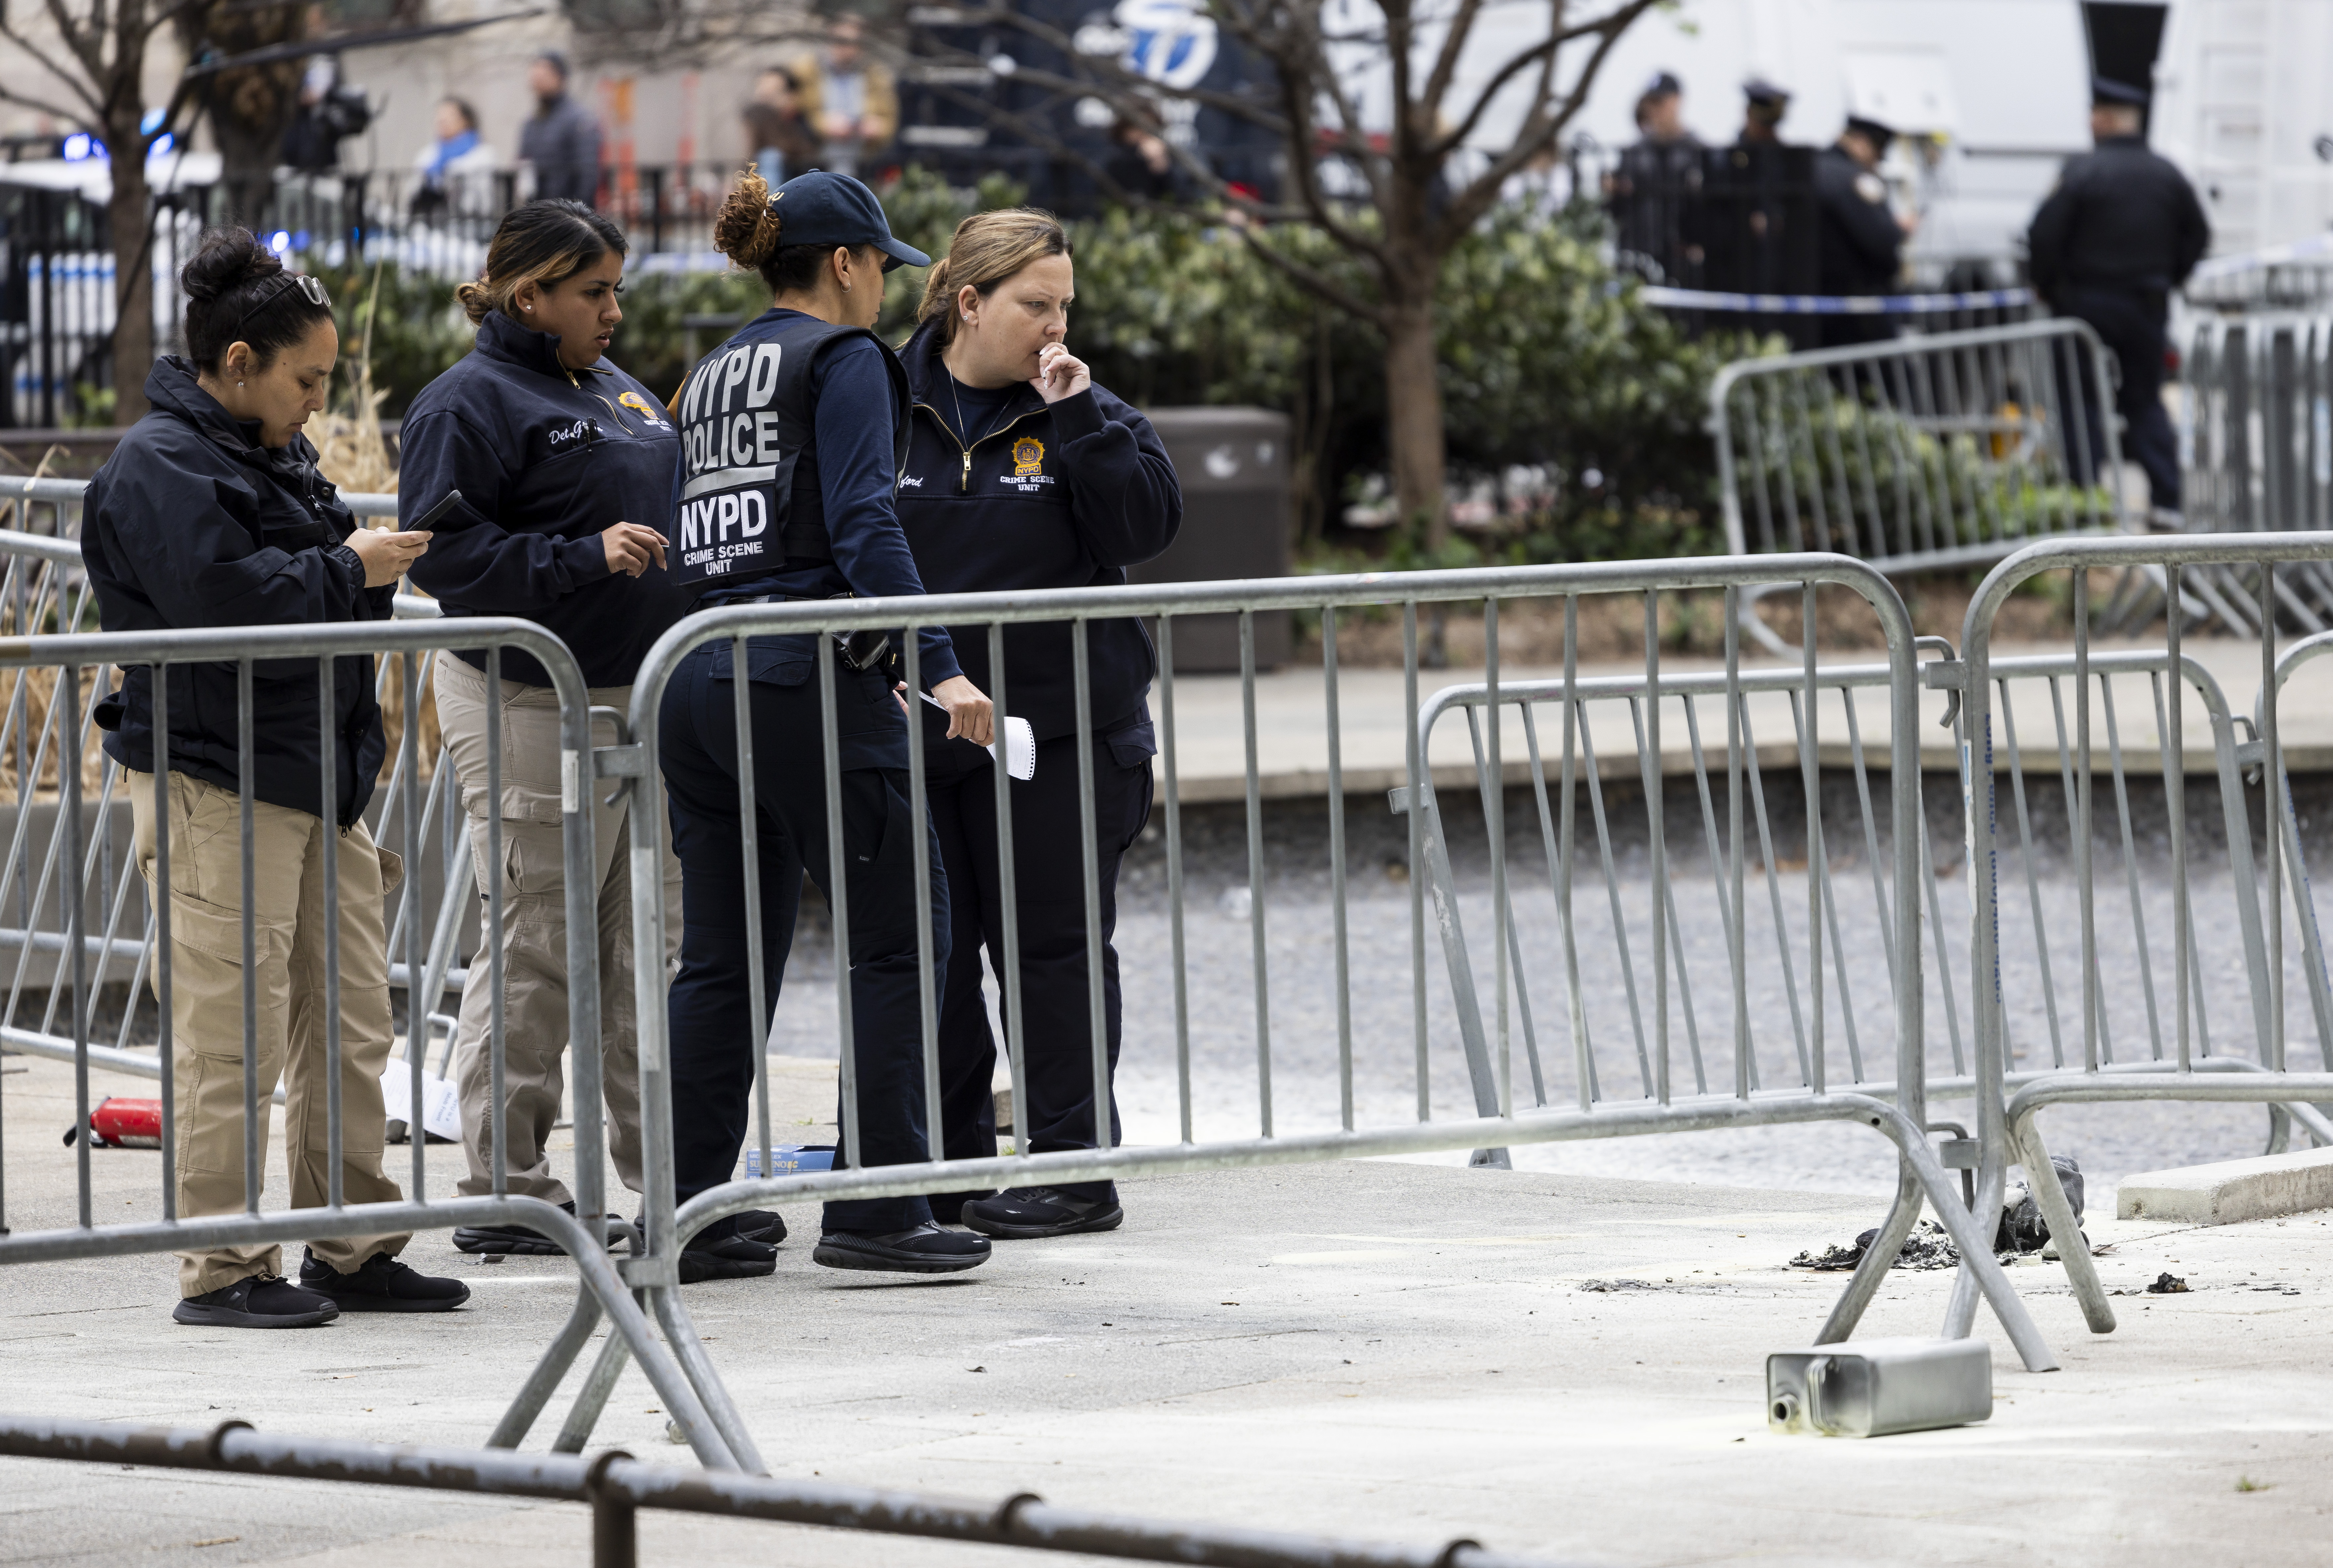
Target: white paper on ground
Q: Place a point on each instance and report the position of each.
(1019, 751)
(441, 1102)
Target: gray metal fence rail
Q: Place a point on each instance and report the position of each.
(76, 656)
(1498, 1122)
(1919, 454)
(616, 1487)
(2195, 1066)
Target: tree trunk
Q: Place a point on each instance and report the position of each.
(133, 271)
(1414, 421)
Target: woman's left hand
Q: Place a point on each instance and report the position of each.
(1059, 374)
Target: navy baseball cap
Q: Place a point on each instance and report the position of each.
(829, 210)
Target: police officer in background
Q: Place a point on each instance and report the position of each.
(1861, 239)
(791, 435)
(1656, 188)
(1764, 107)
(2120, 232)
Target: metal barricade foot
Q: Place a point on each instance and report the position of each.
(1877, 1260)
(543, 1380)
(592, 1398)
(2065, 1229)
(680, 1332)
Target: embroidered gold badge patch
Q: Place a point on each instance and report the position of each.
(1027, 457)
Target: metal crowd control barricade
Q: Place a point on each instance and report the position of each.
(1921, 453)
(43, 589)
(1493, 1118)
(52, 507)
(2185, 1059)
(261, 653)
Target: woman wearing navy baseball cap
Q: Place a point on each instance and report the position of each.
(792, 434)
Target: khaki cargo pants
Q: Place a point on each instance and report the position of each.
(535, 935)
(205, 958)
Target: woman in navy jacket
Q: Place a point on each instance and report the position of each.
(211, 513)
(1023, 475)
(564, 464)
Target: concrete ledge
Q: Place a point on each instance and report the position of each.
(2232, 1190)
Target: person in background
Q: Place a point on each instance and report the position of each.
(564, 466)
(1022, 475)
(774, 128)
(1763, 108)
(1653, 192)
(851, 102)
(456, 168)
(1142, 164)
(792, 436)
(2123, 229)
(562, 140)
(312, 143)
(210, 512)
(1860, 243)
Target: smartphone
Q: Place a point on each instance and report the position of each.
(428, 519)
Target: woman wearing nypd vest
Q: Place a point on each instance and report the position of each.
(1023, 475)
(791, 435)
(563, 465)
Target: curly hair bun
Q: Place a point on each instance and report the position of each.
(748, 230)
(224, 259)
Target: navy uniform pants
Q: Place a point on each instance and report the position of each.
(714, 1035)
(1050, 885)
(2131, 323)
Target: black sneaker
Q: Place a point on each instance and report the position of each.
(760, 1224)
(927, 1249)
(382, 1284)
(263, 1300)
(1033, 1213)
(727, 1257)
(519, 1240)
(947, 1207)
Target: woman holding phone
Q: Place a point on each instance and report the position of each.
(1022, 474)
(558, 469)
(210, 513)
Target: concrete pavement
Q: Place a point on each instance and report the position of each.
(1376, 1350)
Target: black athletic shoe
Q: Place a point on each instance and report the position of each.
(760, 1224)
(382, 1284)
(727, 1257)
(947, 1207)
(263, 1300)
(927, 1249)
(517, 1240)
(1033, 1213)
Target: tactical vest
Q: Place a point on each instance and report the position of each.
(749, 497)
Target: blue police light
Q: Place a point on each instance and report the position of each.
(300, 240)
(151, 123)
(279, 242)
(79, 146)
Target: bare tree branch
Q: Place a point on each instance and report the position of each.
(77, 84)
(71, 116)
(1607, 28)
(1315, 281)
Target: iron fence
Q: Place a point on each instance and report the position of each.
(1498, 1119)
(2183, 1059)
(48, 640)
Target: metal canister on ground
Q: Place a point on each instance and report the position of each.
(1877, 1387)
(121, 1123)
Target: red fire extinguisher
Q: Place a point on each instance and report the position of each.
(119, 1123)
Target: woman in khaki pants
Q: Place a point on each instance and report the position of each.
(210, 512)
(564, 465)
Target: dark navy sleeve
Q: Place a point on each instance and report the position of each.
(1124, 501)
(470, 561)
(852, 391)
(184, 545)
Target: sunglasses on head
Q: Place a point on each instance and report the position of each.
(312, 288)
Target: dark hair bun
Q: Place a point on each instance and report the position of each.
(223, 259)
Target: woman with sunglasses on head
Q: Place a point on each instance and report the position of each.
(1023, 475)
(563, 466)
(792, 434)
(210, 513)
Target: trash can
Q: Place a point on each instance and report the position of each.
(1234, 465)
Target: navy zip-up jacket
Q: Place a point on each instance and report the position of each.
(1065, 496)
(192, 523)
(546, 459)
